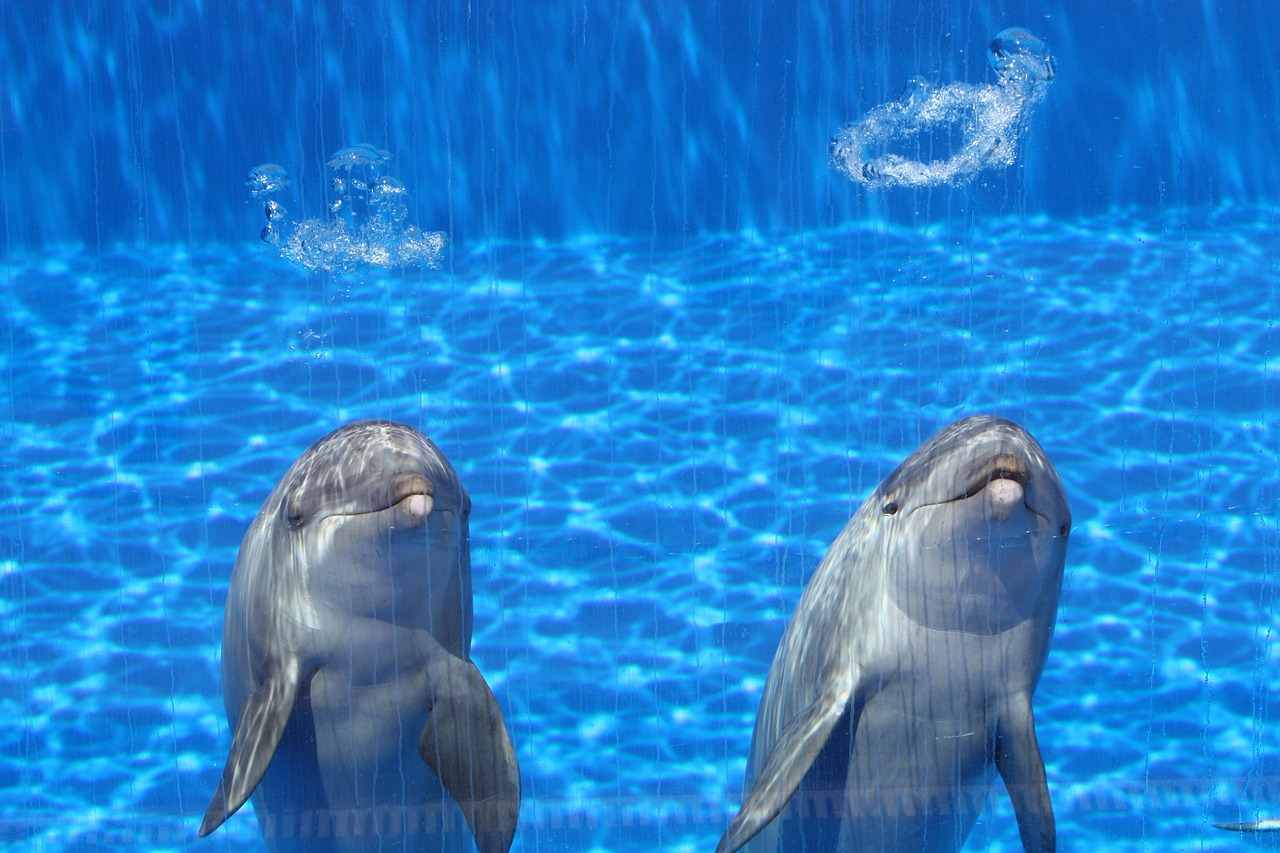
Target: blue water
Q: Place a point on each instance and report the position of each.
(660, 442)
(669, 350)
(136, 121)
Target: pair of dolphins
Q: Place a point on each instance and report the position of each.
(902, 683)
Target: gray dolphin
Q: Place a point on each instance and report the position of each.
(345, 659)
(905, 676)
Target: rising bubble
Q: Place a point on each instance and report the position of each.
(360, 154)
(275, 222)
(266, 179)
(1016, 53)
(366, 225)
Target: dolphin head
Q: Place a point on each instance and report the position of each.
(370, 467)
(976, 525)
(374, 520)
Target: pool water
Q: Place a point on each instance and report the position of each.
(660, 440)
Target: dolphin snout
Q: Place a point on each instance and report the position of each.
(1003, 497)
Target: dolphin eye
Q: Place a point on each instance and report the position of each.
(891, 508)
(294, 515)
(1064, 529)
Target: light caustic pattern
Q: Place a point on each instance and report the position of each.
(657, 462)
(989, 122)
(367, 223)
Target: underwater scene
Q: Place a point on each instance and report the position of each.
(603, 319)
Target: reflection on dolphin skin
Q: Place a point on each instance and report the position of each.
(346, 662)
(904, 679)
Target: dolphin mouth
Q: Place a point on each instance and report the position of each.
(1000, 468)
(415, 492)
(1005, 467)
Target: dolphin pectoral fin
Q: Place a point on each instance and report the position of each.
(797, 748)
(465, 741)
(261, 724)
(1022, 769)
(1270, 824)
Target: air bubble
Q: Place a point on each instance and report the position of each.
(386, 186)
(1016, 53)
(360, 154)
(275, 213)
(915, 91)
(266, 179)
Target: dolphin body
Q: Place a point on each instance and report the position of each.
(905, 677)
(345, 659)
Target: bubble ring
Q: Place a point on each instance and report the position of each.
(986, 118)
(990, 120)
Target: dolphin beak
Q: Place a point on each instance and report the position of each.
(1000, 481)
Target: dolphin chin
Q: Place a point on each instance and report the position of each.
(904, 679)
(416, 508)
(1004, 496)
(356, 711)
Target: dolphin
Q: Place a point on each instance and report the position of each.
(904, 678)
(346, 662)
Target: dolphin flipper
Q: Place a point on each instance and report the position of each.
(798, 746)
(261, 724)
(1022, 769)
(1269, 824)
(465, 742)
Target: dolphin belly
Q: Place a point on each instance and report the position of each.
(914, 784)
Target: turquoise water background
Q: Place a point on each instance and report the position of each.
(669, 352)
(659, 447)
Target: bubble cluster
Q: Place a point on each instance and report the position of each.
(366, 225)
(976, 127)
